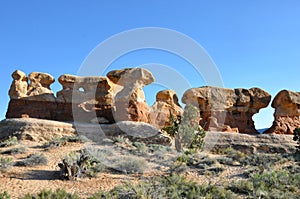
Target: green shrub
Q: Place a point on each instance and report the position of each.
(33, 160)
(173, 186)
(190, 132)
(243, 187)
(265, 160)
(49, 194)
(15, 151)
(235, 155)
(11, 141)
(4, 195)
(132, 164)
(5, 163)
(140, 148)
(186, 130)
(225, 161)
(276, 184)
(173, 125)
(58, 142)
(297, 138)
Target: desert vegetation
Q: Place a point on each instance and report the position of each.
(161, 171)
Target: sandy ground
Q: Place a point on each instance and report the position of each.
(18, 181)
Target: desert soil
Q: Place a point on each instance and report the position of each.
(18, 181)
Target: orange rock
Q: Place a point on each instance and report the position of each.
(221, 108)
(287, 111)
(166, 103)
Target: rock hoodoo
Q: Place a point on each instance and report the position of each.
(39, 87)
(223, 109)
(19, 85)
(130, 103)
(287, 111)
(118, 96)
(166, 104)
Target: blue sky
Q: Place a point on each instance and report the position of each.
(253, 43)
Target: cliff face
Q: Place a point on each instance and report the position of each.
(287, 111)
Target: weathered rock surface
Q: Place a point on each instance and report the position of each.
(35, 129)
(130, 103)
(86, 99)
(39, 87)
(19, 86)
(166, 104)
(91, 98)
(45, 130)
(258, 143)
(287, 111)
(223, 109)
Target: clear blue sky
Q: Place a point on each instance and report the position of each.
(254, 43)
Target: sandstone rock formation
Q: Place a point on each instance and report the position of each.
(249, 144)
(91, 98)
(19, 86)
(46, 130)
(35, 129)
(166, 104)
(224, 109)
(39, 87)
(119, 97)
(287, 111)
(130, 103)
(84, 99)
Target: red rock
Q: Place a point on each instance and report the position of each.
(221, 108)
(286, 116)
(130, 103)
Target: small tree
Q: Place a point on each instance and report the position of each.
(297, 137)
(186, 130)
(191, 133)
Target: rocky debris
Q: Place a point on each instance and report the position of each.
(166, 104)
(130, 103)
(224, 109)
(249, 144)
(19, 86)
(287, 111)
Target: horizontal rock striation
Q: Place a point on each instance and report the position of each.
(249, 144)
(117, 97)
(287, 111)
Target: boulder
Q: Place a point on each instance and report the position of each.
(223, 109)
(166, 104)
(287, 111)
(19, 85)
(130, 103)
